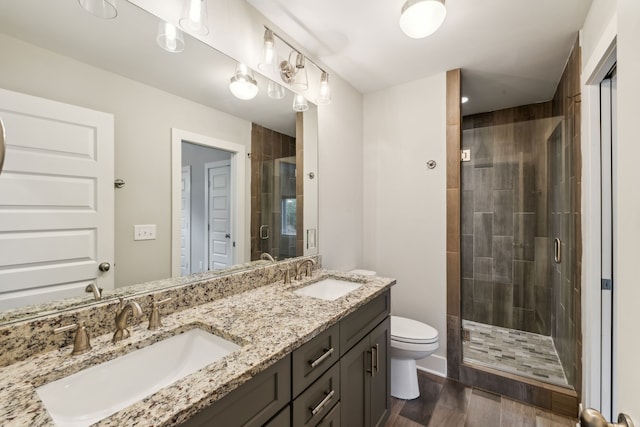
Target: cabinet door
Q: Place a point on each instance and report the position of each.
(253, 403)
(283, 419)
(332, 419)
(380, 378)
(355, 368)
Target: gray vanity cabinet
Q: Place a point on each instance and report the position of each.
(365, 379)
(338, 378)
(252, 404)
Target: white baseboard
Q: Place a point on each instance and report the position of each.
(434, 364)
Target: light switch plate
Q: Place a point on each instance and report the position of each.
(144, 232)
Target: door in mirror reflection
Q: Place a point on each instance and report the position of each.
(206, 209)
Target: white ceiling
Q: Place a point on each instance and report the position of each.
(512, 52)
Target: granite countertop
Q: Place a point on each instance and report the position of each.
(267, 322)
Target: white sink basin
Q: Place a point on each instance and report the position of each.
(95, 393)
(328, 289)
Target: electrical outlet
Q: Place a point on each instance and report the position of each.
(144, 232)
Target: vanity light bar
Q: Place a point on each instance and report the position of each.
(301, 59)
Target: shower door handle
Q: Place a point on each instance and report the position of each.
(264, 232)
(557, 250)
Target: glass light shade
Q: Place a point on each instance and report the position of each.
(274, 90)
(170, 38)
(105, 9)
(194, 17)
(300, 80)
(299, 103)
(268, 52)
(421, 18)
(243, 85)
(325, 90)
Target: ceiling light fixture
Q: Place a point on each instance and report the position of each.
(268, 51)
(464, 99)
(105, 9)
(295, 74)
(299, 103)
(194, 17)
(274, 90)
(421, 18)
(243, 85)
(170, 38)
(325, 90)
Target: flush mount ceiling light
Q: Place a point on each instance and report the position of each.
(170, 38)
(105, 9)
(243, 85)
(421, 18)
(194, 17)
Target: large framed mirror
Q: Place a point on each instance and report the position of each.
(165, 107)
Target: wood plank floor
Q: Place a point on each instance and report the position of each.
(447, 403)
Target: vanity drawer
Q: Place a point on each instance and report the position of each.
(358, 324)
(332, 419)
(316, 401)
(314, 358)
(253, 403)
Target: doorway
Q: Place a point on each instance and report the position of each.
(203, 154)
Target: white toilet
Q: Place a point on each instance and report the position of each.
(410, 341)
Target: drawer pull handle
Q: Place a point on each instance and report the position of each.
(322, 358)
(323, 403)
(377, 349)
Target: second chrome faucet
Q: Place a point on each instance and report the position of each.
(125, 310)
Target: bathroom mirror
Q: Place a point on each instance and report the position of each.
(56, 50)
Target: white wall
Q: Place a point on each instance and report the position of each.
(340, 162)
(405, 202)
(627, 215)
(144, 117)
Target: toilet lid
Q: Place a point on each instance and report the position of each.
(412, 331)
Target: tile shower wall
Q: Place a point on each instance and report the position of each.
(504, 233)
(566, 170)
(268, 145)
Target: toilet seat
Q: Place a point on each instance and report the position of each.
(411, 331)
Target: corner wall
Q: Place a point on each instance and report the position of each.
(405, 202)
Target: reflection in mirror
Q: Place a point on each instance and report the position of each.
(56, 51)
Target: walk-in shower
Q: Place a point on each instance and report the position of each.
(519, 216)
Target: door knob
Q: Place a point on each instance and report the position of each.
(104, 266)
(227, 236)
(592, 418)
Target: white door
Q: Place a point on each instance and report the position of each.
(185, 225)
(608, 139)
(219, 215)
(56, 200)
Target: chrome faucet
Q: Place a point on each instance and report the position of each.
(267, 256)
(97, 292)
(309, 262)
(125, 309)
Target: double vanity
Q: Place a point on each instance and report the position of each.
(241, 349)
